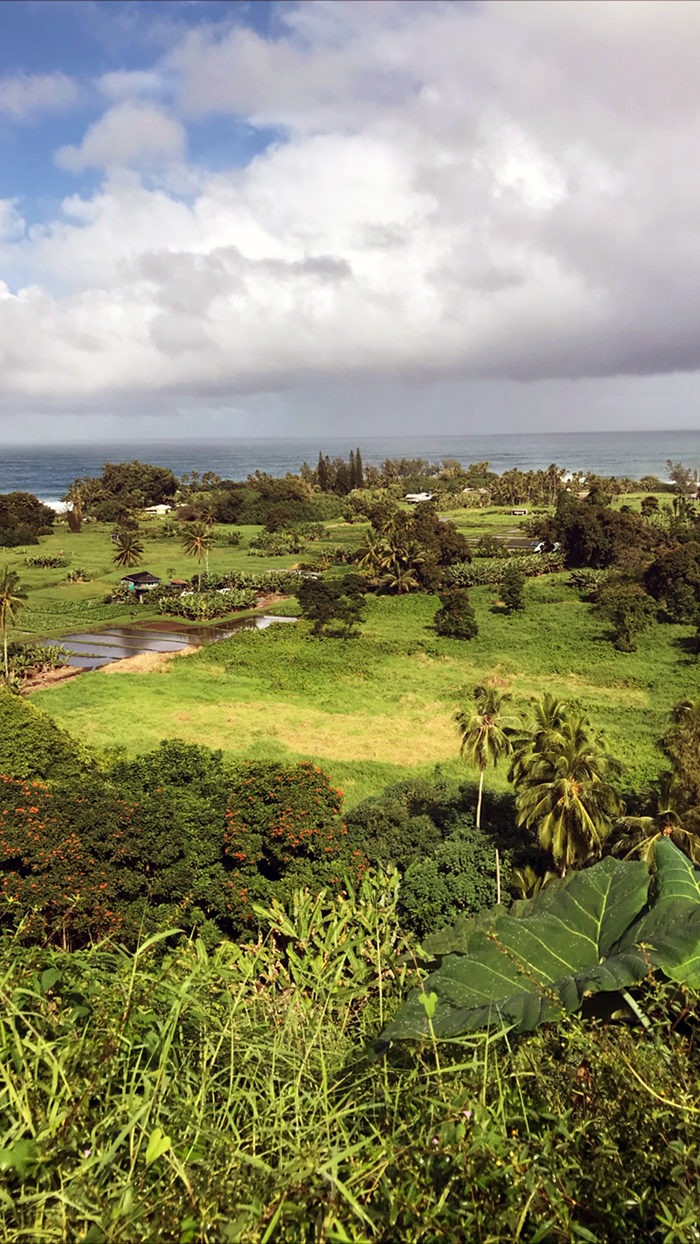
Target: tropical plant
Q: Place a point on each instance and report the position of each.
(196, 542)
(562, 790)
(600, 930)
(12, 598)
(485, 733)
(640, 835)
(538, 732)
(128, 549)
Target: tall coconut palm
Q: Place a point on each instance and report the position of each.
(486, 734)
(563, 791)
(540, 730)
(12, 598)
(197, 542)
(370, 553)
(128, 549)
(667, 805)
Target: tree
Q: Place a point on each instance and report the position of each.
(485, 733)
(455, 618)
(673, 580)
(667, 803)
(327, 600)
(539, 732)
(196, 542)
(12, 599)
(630, 610)
(512, 587)
(683, 477)
(128, 549)
(649, 506)
(359, 470)
(563, 792)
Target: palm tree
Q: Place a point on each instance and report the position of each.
(12, 598)
(539, 732)
(128, 550)
(562, 790)
(370, 553)
(485, 734)
(197, 542)
(664, 819)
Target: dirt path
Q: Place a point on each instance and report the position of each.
(146, 662)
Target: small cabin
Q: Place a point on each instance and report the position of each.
(159, 510)
(141, 581)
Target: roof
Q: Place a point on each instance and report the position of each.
(141, 577)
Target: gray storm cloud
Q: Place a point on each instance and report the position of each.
(503, 192)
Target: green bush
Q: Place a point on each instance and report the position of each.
(33, 746)
(76, 867)
(283, 830)
(455, 618)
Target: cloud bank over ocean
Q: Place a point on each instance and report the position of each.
(487, 210)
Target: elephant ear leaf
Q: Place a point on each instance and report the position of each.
(669, 933)
(523, 971)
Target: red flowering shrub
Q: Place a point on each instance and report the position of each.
(283, 830)
(76, 867)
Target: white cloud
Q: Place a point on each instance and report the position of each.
(24, 96)
(130, 134)
(126, 84)
(502, 190)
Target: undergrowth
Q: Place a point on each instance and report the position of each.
(180, 1095)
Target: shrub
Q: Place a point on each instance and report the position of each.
(283, 830)
(275, 544)
(512, 585)
(33, 746)
(47, 562)
(458, 878)
(79, 867)
(455, 618)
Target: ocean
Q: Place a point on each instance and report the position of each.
(47, 471)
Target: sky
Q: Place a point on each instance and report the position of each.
(366, 217)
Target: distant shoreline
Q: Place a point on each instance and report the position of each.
(47, 471)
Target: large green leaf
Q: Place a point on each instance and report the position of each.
(523, 971)
(669, 933)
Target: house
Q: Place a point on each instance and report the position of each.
(141, 581)
(160, 510)
(414, 498)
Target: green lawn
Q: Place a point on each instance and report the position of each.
(377, 708)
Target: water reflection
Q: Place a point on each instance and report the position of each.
(89, 650)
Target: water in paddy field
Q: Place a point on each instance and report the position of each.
(47, 471)
(89, 650)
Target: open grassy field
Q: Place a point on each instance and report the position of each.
(377, 708)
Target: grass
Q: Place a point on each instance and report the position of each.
(181, 1096)
(374, 709)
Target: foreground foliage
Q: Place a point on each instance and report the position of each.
(175, 1095)
(597, 931)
